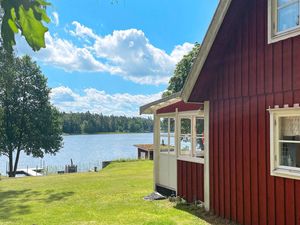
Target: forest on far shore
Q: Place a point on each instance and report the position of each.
(90, 123)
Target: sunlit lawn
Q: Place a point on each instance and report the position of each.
(112, 196)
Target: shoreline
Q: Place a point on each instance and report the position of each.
(102, 133)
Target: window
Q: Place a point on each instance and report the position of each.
(199, 150)
(285, 142)
(185, 136)
(167, 135)
(283, 19)
(191, 137)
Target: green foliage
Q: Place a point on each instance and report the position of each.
(28, 122)
(26, 16)
(78, 123)
(182, 71)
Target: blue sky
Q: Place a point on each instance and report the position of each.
(111, 56)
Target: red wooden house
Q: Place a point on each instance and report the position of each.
(246, 81)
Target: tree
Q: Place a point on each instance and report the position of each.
(26, 16)
(28, 122)
(182, 71)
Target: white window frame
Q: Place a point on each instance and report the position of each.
(273, 34)
(276, 168)
(189, 115)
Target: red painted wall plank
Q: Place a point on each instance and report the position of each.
(245, 58)
(195, 177)
(231, 75)
(296, 64)
(239, 160)
(254, 161)
(290, 202)
(216, 159)
(184, 181)
(277, 66)
(221, 158)
(189, 193)
(287, 65)
(280, 203)
(246, 161)
(238, 65)
(261, 42)
(232, 149)
(179, 178)
(269, 69)
(220, 85)
(252, 51)
(227, 160)
(226, 79)
(201, 184)
(262, 161)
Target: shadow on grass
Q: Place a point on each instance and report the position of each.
(14, 203)
(202, 214)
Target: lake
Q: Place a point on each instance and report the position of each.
(86, 151)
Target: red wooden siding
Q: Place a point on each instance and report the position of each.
(181, 106)
(248, 78)
(190, 181)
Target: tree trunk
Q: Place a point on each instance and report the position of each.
(10, 159)
(16, 162)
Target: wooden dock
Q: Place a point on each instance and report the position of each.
(34, 172)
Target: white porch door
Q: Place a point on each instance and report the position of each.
(167, 175)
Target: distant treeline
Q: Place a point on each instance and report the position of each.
(89, 123)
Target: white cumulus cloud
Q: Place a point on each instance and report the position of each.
(126, 53)
(96, 101)
(82, 31)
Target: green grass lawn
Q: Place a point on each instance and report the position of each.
(111, 196)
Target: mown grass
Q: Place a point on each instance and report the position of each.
(111, 196)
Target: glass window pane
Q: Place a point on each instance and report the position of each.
(185, 145)
(164, 144)
(172, 126)
(199, 147)
(290, 154)
(288, 17)
(199, 144)
(186, 126)
(199, 126)
(164, 125)
(172, 145)
(284, 2)
(289, 128)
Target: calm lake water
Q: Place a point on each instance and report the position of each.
(87, 151)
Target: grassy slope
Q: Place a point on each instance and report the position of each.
(112, 196)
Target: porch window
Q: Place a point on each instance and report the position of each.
(199, 137)
(191, 138)
(185, 136)
(167, 135)
(283, 19)
(285, 142)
